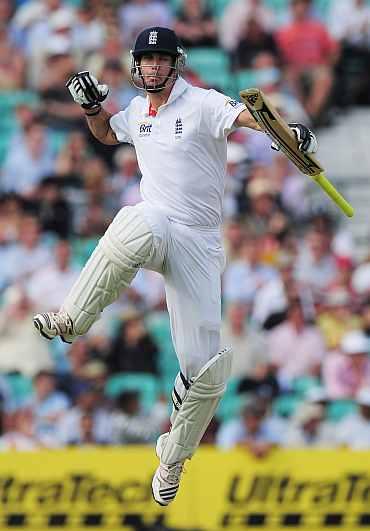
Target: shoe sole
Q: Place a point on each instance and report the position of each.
(156, 501)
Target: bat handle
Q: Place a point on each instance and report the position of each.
(333, 193)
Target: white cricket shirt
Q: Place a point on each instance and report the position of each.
(181, 151)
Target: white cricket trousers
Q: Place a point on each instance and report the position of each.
(191, 260)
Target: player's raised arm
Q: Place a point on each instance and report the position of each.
(245, 119)
(87, 92)
(306, 139)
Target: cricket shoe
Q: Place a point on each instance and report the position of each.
(52, 324)
(166, 480)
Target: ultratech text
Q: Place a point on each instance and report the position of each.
(73, 489)
(352, 487)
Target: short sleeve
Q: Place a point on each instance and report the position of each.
(219, 113)
(120, 124)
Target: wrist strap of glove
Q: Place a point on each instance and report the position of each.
(93, 111)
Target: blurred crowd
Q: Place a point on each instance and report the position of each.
(296, 299)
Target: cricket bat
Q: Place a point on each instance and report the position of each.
(278, 130)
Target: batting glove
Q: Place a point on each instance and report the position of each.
(86, 91)
(306, 139)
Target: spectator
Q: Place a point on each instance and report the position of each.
(308, 54)
(264, 210)
(271, 302)
(309, 429)
(148, 289)
(131, 425)
(354, 430)
(111, 50)
(28, 254)
(6, 13)
(316, 265)
(20, 348)
(121, 91)
(27, 162)
(45, 20)
(89, 402)
(95, 220)
(237, 160)
(295, 347)
(235, 16)
(74, 382)
(234, 236)
(268, 76)
(365, 317)
(71, 159)
(250, 362)
(88, 32)
(253, 430)
(11, 211)
(59, 113)
(133, 350)
(86, 433)
(349, 23)
(337, 317)
(347, 371)
(244, 277)
(53, 209)
(23, 437)
(195, 25)
(126, 179)
(49, 286)
(361, 278)
(12, 63)
(49, 406)
(254, 39)
(24, 115)
(139, 14)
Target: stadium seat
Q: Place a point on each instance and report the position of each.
(21, 389)
(231, 403)
(146, 384)
(300, 386)
(218, 7)
(286, 405)
(244, 79)
(212, 65)
(83, 249)
(8, 102)
(159, 327)
(338, 409)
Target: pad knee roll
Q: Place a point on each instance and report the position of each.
(126, 246)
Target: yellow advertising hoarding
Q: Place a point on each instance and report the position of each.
(109, 489)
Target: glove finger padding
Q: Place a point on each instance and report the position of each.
(86, 90)
(306, 139)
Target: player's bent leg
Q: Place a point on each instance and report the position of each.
(126, 246)
(195, 403)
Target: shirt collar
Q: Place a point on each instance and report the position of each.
(178, 89)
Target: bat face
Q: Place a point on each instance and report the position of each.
(278, 130)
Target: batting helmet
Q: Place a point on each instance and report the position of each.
(156, 40)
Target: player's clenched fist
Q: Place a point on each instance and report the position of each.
(86, 90)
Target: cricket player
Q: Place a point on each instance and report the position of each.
(180, 135)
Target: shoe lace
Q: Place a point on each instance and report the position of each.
(63, 321)
(174, 472)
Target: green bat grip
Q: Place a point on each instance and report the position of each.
(333, 193)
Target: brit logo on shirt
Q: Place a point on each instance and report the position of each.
(145, 129)
(178, 128)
